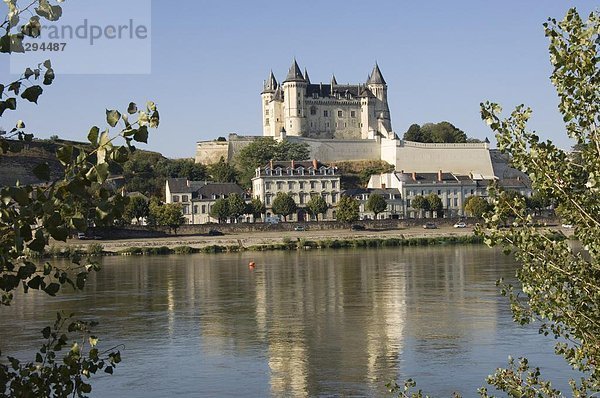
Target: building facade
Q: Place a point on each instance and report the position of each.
(453, 189)
(392, 196)
(198, 197)
(325, 110)
(301, 180)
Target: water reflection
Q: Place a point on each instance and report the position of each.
(300, 324)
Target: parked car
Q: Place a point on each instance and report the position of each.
(214, 232)
(567, 226)
(299, 228)
(460, 225)
(430, 225)
(81, 236)
(357, 227)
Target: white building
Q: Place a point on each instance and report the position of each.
(301, 180)
(453, 189)
(392, 196)
(198, 197)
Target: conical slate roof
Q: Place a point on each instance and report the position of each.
(306, 76)
(333, 81)
(376, 76)
(294, 74)
(270, 84)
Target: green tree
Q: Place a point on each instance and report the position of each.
(347, 209)
(538, 202)
(420, 203)
(414, 134)
(561, 286)
(317, 205)
(476, 206)
(284, 205)
(257, 208)
(259, 152)
(376, 204)
(222, 171)
(166, 215)
(237, 206)
(172, 216)
(443, 132)
(220, 210)
(136, 209)
(434, 204)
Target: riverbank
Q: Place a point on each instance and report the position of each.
(290, 240)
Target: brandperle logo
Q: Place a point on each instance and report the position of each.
(90, 39)
(93, 33)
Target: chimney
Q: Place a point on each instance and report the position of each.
(383, 186)
(271, 164)
(293, 164)
(315, 166)
(440, 176)
(414, 176)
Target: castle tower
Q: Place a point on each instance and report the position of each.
(270, 88)
(294, 93)
(377, 85)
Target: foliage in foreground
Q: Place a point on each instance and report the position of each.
(560, 283)
(31, 215)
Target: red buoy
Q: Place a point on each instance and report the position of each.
(251, 265)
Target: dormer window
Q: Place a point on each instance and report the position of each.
(278, 171)
(301, 171)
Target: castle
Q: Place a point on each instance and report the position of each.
(353, 122)
(340, 111)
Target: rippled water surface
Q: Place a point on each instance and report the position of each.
(321, 323)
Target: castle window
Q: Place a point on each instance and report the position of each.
(345, 125)
(175, 198)
(299, 112)
(327, 124)
(302, 184)
(326, 114)
(340, 114)
(266, 112)
(352, 113)
(184, 198)
(313, 110)
(267, 122)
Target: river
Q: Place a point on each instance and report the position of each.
(308, 323)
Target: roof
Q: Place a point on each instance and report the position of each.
(270, 84)
(325, 90)
(372, 191)
(284, 164)
(426, 177)
(333, 80)
(294, 74)
(306, 76)
(179, 185)
(219, 189)
(376, 77)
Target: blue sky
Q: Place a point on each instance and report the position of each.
(209, 60)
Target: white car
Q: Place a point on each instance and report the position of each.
(567, 226)
(460, 225)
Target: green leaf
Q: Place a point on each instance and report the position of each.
(101, 172)
(46, 332)
(32, 93)
(65, 154)
(93, 135)
(52, 289)
(132, 108)
(113, 117)
(42, 171)
(48, 11)
(141, 134)
(49, 77)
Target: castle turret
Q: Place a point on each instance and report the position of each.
(377, 85)
(270, 87)
(294, 88)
